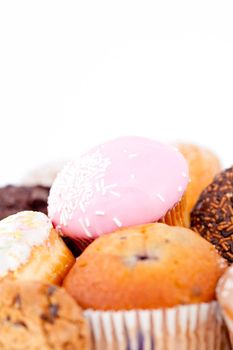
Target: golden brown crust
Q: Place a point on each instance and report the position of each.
(203, 166)
(35, 316)
(145, 267)
(48, 263)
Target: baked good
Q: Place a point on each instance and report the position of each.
(145, 267)
(203, 166)
(212, 215)
(36, 316)
(124, 182)
(31, 249)
(225, 299)
(18, 198)
(43, 175)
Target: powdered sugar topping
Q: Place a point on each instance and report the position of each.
(19, 233)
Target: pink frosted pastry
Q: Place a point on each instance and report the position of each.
(124, 182)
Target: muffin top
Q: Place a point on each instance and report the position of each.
(124, 182)
(39, 316)
(19, 234)
(203, 166)
(145, 267)
(212, 215)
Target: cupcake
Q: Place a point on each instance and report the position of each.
(19, 198)
(34, 315)
(31, 249)
(153, 284)
(225, 298)
(203, 166)
(212, 215)
(124, 182)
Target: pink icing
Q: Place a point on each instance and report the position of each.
(124, 182)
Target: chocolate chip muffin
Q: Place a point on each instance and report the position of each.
(18, 198)
(35, 316)
(145, 267)
(212, 215)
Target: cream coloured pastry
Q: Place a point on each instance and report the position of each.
(43, 175)
(31, 249)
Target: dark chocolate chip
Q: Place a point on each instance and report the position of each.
(52, 313)
(51, 290)
(146, 257)
(142, 257)
(20, 324)
(17, 301)
(53, 310)
(45, 317)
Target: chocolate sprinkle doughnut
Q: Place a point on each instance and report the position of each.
(212, 215)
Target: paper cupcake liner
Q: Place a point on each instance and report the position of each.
(178, 215)
(229, 323)
(193, 327)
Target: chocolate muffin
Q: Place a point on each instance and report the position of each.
(212, 215)
(19, 198)
(36, 316)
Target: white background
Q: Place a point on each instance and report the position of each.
(76, 73)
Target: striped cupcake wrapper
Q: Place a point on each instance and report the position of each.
(192, 327)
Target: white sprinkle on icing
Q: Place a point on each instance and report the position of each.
(114, 193)
(82, 208)
(97, 186)
(132, 155)
(99, 213)
(132, 176)
(124, 150)
(180, 188)
(117, 221)
(175, 149)
(19, 233)
(159, 196)
(110, 186)
(87, 222)
(75, 185)
(85, 229)
(184, 175)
